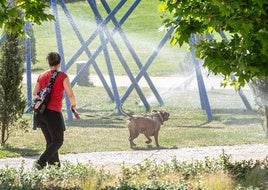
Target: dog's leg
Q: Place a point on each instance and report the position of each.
(149, 139)
(132, 136)
(156, 139)
(131, 142)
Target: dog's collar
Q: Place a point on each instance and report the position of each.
(161, 118)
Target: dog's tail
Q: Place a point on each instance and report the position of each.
(125, 113)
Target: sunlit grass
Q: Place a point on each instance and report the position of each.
(103, 129)
(218, 181)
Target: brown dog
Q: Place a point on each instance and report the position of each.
(149, 125)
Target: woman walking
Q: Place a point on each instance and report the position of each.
(51, 121)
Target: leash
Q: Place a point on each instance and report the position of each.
(75, 113)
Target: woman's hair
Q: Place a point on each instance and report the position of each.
(53, 58)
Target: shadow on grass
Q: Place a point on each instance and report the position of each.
(202, 125)
(97, 122)
(237, 116)
(236, 111)
(19, 151)
(243, 121)
(151, 147)
(100, 118)
(229, 117)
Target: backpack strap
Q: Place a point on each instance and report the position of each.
(50, 84)
(52, 79)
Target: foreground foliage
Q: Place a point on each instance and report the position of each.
(220, 173)
(34, 11)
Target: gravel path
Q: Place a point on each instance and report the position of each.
(112, 160)
(159, 82)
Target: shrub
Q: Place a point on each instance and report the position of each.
(218, 173)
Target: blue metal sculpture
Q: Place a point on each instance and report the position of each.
(106, 37)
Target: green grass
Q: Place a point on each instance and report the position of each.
(102, 129)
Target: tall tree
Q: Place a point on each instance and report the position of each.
(13, 16)
(12, 101)
(244, 54)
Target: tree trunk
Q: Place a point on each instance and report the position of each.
(3, 134)
(266, 117)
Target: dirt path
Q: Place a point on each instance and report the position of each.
(188, 82)
(112, 160)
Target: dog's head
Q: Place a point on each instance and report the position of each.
(164, 115)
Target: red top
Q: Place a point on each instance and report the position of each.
(56, 96)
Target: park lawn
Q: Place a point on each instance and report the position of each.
(102, 129)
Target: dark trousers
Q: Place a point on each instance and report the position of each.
(52, 126)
